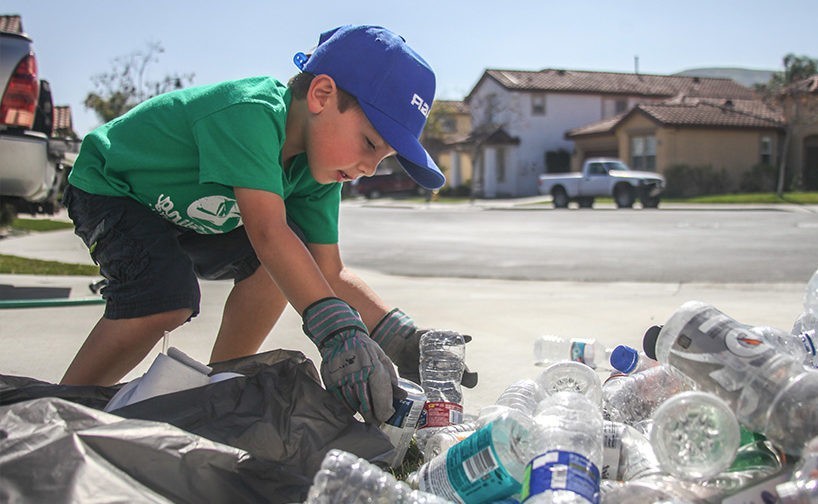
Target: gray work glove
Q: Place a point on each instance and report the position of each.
(353, 367)
(397, 334)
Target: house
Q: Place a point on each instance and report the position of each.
(519, 118)
(799, 102)
(448, 126)
(731, 136)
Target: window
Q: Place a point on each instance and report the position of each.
(538, 104)
(643, 153)
(491, 109)
(620, 106)
(596, 169)
(767, 151)
(448, 124)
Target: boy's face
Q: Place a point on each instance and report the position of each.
(341, 146)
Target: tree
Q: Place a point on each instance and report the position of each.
(126, 85)
(784, 91)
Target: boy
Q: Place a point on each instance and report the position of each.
(242, 180)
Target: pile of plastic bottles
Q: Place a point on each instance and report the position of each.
(710, 410)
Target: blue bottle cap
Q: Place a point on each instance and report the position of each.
(624, 358)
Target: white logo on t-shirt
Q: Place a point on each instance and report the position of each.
(214, 209)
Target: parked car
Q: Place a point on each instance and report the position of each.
(389, 178)
(602, 177)
(32, 167)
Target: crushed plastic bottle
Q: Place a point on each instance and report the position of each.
(656, 489)
(627, 453)
(632, 399)
(401, 426)
(442, 362)
(803, 485)
(344, 477)
(770, 392)
(566, 448)
(800, 346)
(695, 435)
(548, 349)
(484, 467)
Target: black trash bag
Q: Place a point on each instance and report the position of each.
(278, 413)
(52, 450)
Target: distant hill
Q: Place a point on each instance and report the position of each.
(743, 76)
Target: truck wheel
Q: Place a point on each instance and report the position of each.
(559, 197)
(586, 202)
(650, 201)
(623, 196)
(8, 212)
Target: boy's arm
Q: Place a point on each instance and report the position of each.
(353, 367)
(347, 285)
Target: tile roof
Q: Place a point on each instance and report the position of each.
(630, 84)
(11, 23)
(700, 112)
(452, 106)
(63, 126)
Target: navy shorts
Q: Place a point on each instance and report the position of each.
(152, 265)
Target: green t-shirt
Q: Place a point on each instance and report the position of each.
(182, 153)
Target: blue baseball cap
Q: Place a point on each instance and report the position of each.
(393, 84)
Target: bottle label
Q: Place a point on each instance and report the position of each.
(561, 470)
(578, 353)
(471, 469)
(611, 450)
(440, 414)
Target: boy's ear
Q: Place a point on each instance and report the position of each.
(322, 90)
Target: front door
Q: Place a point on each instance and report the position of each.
(810, 168)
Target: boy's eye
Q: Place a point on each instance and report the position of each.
(370, 144)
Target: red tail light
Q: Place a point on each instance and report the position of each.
(20, 98)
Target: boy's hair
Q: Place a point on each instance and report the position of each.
(300, 84)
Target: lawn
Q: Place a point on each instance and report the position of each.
(14, 265)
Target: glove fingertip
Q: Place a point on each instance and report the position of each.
(469, 379)
(467, 338)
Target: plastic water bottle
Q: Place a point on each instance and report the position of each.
(695, 435)
(446, 437)
(566, 449)
(770, 391)
(803, 486)
(442, 363)
(755, 460)
(570, 376)
(344, 477)
(626, 453)
(484, 467)
(548, 349)
(627, 360)
(632, 399)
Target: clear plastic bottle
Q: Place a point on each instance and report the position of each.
(695, 435)
(656, 489)
(344, 477)
(566, 451)
(627, 453)
(548, 349)
(632, 399)
(770, 392)
(803, 485)
(442, 362)
(800, 346)
(486, 466)
(570, 376)
(627, 360)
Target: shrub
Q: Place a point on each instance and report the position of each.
(760, 178)
(684, 181)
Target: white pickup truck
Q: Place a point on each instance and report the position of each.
(603, 177)
(32, 163)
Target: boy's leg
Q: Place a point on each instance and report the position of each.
(250, 312)
(151, 286)
(115, 346)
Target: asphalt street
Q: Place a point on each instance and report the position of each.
(504, 316)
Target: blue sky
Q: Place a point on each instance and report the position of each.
(75, 40)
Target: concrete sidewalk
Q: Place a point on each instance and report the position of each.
(505, 317)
